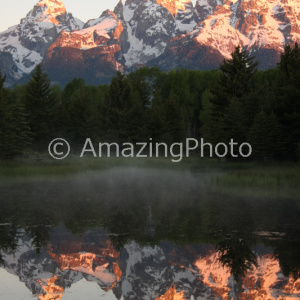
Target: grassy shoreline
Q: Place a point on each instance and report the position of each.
(223, 174)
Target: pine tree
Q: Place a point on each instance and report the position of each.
(123, 111)
(237, 73)
(174, 120)
(141, 81)
(71, 88)
(211, 130)
(234, 81)
(287, 98)
(180, 91)
(14, 129)
(266, 136)
(232, 90)
(290, 60)
(234, 122)
(156, 123)
(276, 137)
(2, 80)
(38, 104)
(205, 115)
(81, 111)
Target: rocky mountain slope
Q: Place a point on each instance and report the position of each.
(24, 46)
(164, 33)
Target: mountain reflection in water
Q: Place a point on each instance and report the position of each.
(147, 234)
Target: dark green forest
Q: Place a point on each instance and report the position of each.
(238, 102)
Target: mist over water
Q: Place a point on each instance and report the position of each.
(119, 183)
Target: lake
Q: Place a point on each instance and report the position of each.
(145, 233)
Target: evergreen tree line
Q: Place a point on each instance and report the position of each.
(235, 102)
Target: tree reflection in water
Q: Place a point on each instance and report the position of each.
(237, 255)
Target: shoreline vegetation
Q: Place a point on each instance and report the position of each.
(253, 178)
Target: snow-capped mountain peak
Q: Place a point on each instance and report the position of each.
(51, 13)
(24, 46)
(164, 33)
(173, 6)
(51, 10)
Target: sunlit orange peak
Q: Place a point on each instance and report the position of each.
(52, 291)
(53, 9)
(173, 5)
(171, 294)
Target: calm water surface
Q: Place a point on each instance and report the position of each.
(133, 233)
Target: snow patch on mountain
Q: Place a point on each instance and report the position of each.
(148, 29)
(94, 33)
(205, 8)
(24, 59)
(102, 27)
(184, 18)
(253, 25)
(173, 6)
(217, 31)
(128, 12)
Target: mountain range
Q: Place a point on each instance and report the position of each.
(164, 33)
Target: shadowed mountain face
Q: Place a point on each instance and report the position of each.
(168, 34)
(181, 241)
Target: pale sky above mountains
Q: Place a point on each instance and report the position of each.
(12, 11)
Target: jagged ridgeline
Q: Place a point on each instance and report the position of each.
(164, 33)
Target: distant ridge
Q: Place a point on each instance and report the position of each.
(165, 33)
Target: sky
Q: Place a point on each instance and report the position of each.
(12, 11)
